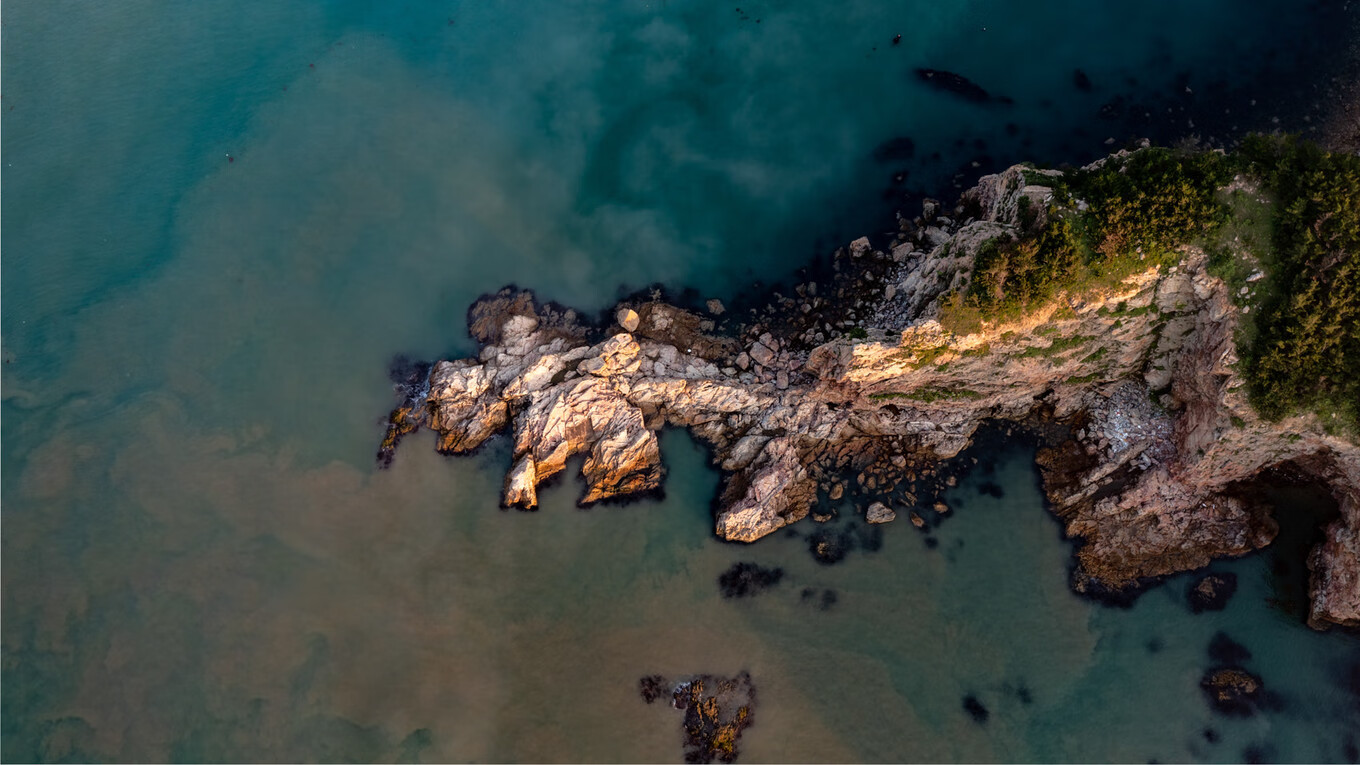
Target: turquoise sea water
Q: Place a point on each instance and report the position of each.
(200, 561)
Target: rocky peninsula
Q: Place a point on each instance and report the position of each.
(867, 380)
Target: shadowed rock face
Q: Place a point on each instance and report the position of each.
(856, 376)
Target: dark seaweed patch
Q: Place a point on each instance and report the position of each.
(975, 709)
(717, 710)
(992, 489)
(1232, 691)
(1225, 651)
(1081, 81)
(653, 687)
(951, 82)
(895, 150)
(748, 579)
(869, 537)
(830, 546)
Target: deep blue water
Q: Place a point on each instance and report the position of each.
(220, 223)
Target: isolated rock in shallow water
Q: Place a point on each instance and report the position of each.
(879, 513)
(1232, 691)
(717, 710)
(628, 319)
(1212, 592)
(748, 579)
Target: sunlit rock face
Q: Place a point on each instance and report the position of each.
(858, 377)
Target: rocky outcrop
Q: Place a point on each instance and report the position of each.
(1232, 691)
(1211, 592)
(717, 711)
(854, 382)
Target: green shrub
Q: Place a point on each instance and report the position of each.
(1139, 211)
(1305, 354)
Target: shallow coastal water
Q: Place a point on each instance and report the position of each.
(200, 560)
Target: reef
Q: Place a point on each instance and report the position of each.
(717, 710)
(854, 384)
(1232, 691)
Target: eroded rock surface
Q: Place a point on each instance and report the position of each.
(854, 383)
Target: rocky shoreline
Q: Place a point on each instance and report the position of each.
(852, 384)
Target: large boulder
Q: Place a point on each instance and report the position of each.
(879, 513)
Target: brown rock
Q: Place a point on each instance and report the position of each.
(1157, 498)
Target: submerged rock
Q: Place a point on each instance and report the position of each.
(975, 709)
(1225, 650)
(830, 546)
(1232, 691)
(1212, 592)
(653, 687)
(954, 83)
(747, 579)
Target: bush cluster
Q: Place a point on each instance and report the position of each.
(1305, 354)
(1137, 212)
(1302, 351)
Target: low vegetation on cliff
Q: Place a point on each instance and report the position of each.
(1305, 352)
(1301, 347)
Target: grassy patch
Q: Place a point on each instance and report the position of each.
(1138, 212)
(981, 350)
(1060, 345)
(931, 395)
(1304, 354)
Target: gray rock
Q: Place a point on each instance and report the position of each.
(628, 319)
(879, 513)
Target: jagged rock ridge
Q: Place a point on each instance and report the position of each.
(862, 377)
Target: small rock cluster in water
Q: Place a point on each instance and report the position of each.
(1230, 689)
(717, 710)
